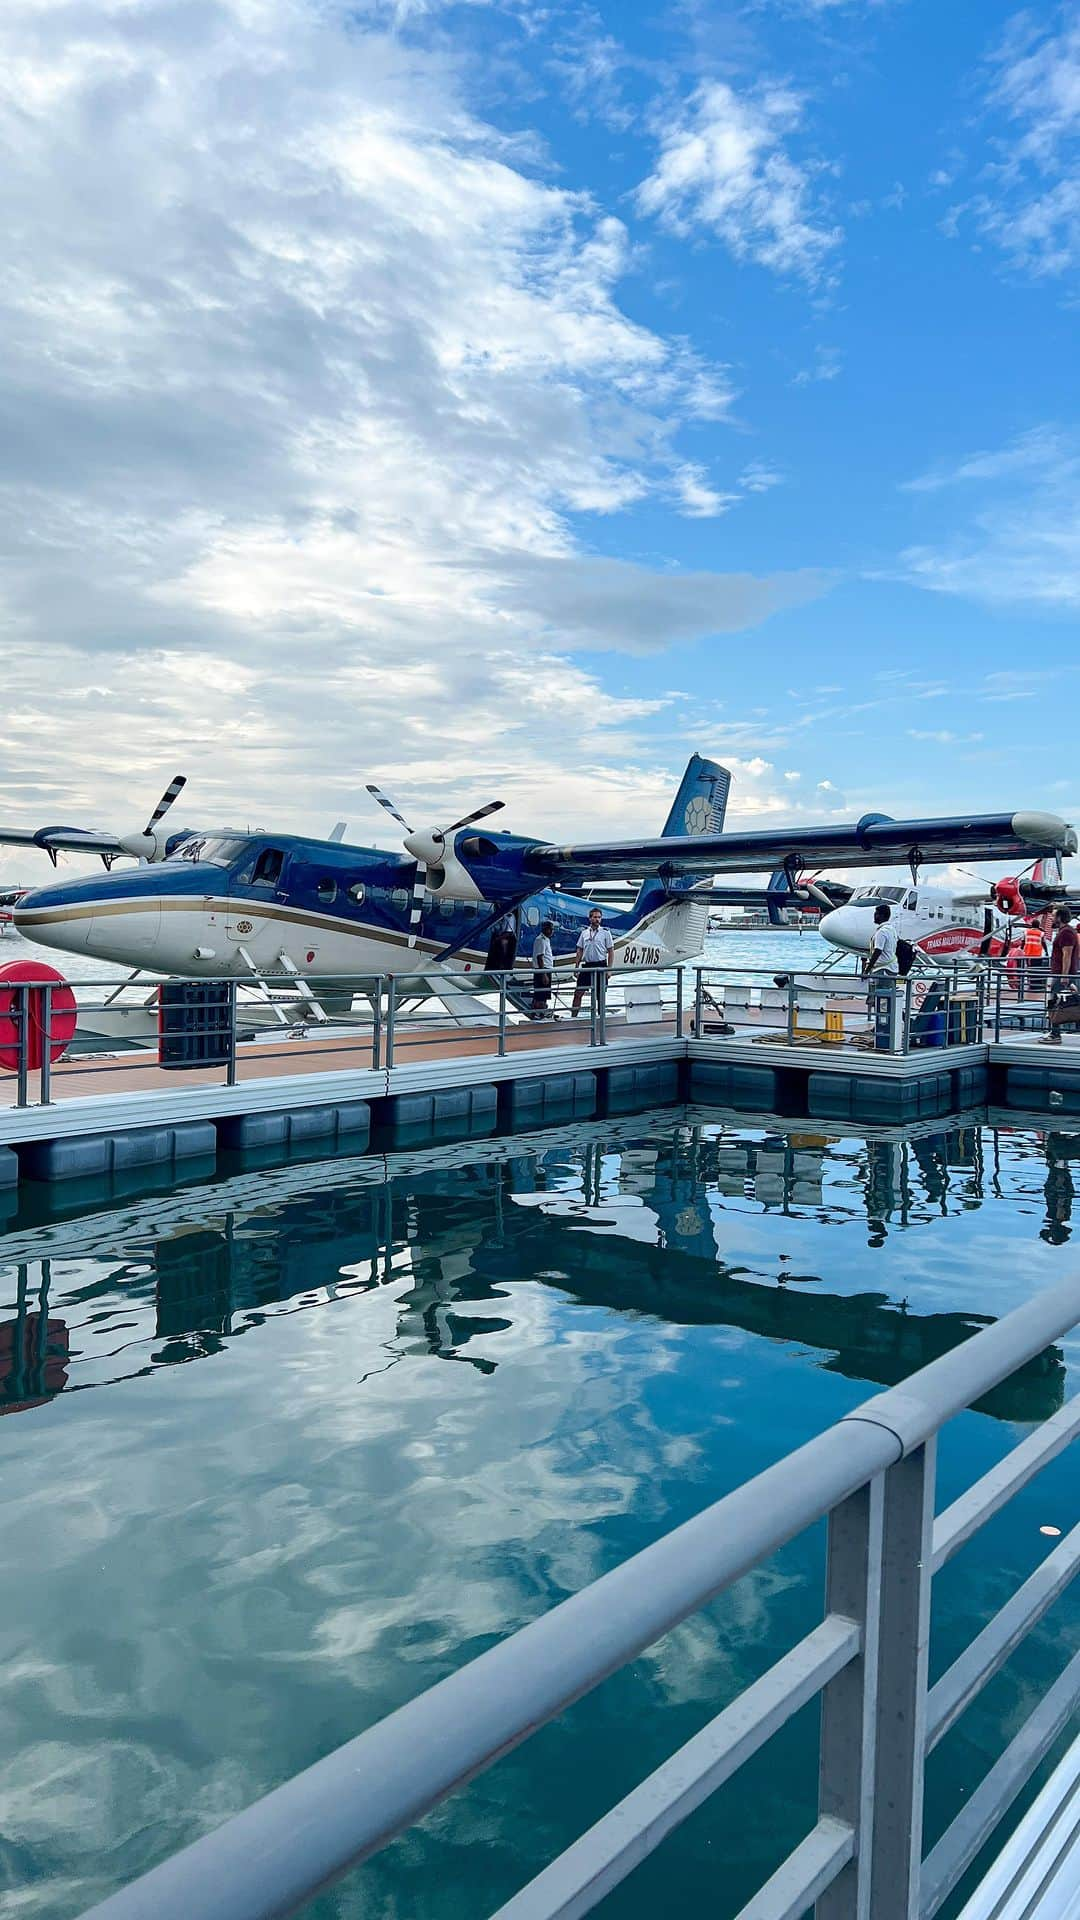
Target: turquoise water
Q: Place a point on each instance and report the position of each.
(287, 1447)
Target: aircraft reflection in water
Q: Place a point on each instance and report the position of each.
(455, 1228)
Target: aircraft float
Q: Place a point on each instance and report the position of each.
(223, 903)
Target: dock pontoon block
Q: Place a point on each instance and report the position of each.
(9, 1167)
(451, 1113)
(642, 1086)
(1042, 1089)
(729, 1084)
(298, 1127)
(846, 1096)
(553, 1096)
(93, 1155)
(971, 1087)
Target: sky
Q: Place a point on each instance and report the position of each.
(506, 399)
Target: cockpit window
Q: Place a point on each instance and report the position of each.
(267, 870)
(871, 895)
(215, 851)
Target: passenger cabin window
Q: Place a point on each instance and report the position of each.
(326, 891)
(356, 893)
(267, 871)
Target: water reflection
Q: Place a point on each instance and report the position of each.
(253, 1516)
(616, 1216)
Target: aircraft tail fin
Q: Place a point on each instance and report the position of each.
(699, 807)
(778, 895)
(1049, 872)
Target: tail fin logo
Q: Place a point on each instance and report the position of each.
(699, 816)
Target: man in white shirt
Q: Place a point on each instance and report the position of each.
(543, 962)
(595, 954)
(881, 963)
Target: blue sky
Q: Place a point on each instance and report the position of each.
(512, 398)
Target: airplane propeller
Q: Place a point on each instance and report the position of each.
(428, 847)
(146, 844)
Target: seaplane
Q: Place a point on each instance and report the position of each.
(943, 924)
(224, 903)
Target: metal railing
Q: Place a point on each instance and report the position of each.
(873, 1476)
(382, 1021)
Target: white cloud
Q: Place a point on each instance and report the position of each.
(760, 477)
(308, 378)
(943, 736)
(699, 499)
(1022, 540)
(724, 166)
(696, 497)
(1029, 204)
(827, 364)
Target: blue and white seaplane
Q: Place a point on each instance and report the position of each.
(220, 903)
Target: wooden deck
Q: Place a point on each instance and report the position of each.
(98, 1076)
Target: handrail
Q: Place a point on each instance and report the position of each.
(873, 1474)
(493, 1007)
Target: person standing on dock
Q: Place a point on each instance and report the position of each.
(882, 956)
(1063, 1002)
(543, 962)
(881, 961)
(594, 955)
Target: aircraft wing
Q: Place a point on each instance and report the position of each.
(874, 841)
(61, 839)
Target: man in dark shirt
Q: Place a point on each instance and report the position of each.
(1065, 953)
(1063, 1004)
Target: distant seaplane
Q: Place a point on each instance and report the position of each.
(223, 903)
(942, 923)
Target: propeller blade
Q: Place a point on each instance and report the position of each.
(380, 796)
(175, 786)
(416, 905)
(478, 813)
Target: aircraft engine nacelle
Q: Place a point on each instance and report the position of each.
(443, 872)
(144, 845)
(1008, 897)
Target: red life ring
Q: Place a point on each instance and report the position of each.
(63, 1013)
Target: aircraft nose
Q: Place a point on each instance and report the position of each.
(52, 918)
(843, 928)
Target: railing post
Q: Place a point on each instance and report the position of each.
(903, 1640)
(997, 1003)
(678, 1003)
(699, 1002)
(905, 1035)
(391, 1016)
(502, 1014)
(376, 1022)
(45, 991)
(22, 1017)
(849, 1702)
(601, 1007)
(592, 1008)
(230, 1065)
(791, 1010)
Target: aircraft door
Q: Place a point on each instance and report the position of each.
(250, 921)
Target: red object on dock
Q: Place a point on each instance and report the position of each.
(63, 1013)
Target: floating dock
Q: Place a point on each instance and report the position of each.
(106, 1117)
